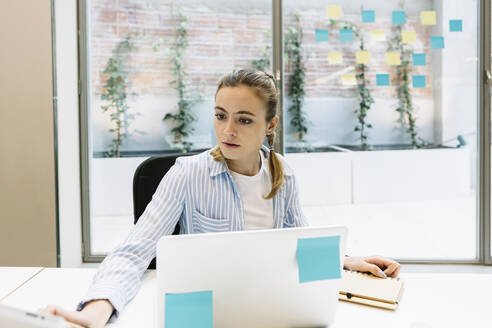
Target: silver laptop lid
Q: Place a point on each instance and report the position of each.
(253, 277)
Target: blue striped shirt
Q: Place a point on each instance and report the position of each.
(199, 194)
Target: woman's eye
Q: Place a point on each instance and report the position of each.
(245, 120)
(220, 116)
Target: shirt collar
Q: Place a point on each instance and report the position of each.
(216, 167)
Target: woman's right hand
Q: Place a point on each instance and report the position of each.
(95, 314)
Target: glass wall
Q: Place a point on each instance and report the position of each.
(380, 110)
(154, 67)
(381, 106)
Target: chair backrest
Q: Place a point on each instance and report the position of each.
(146, 179)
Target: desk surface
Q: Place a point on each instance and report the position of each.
(429, 300)
(13, 277)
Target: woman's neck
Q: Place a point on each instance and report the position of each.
(245, 167)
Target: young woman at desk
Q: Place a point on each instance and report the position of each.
(198, 189)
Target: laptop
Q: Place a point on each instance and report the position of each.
(11, 317)
(253, 278)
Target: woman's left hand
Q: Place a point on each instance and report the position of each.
(377, 265)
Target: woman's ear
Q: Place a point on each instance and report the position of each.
(272, 125)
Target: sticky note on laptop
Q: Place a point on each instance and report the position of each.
(189, 310)
(318, 258)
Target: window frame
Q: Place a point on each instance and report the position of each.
(483, 226)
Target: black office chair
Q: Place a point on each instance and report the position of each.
(145, 182)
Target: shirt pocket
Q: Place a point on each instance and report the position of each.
(202, 224)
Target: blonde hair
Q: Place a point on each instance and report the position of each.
(264, 86)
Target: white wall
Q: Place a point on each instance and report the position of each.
(68, 134)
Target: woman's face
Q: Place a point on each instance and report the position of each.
(240, 122)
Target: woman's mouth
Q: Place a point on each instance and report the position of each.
(230, 145)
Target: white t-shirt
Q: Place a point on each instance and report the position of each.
(258, 211)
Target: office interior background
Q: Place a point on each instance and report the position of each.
(385, 116)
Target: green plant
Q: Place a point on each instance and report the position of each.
(365, 98)
(296, 92)
(115, 92)
(264, 62)
(184, 117)
(406, 108)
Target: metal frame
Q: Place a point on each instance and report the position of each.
(484, 133)
(484, 153)
(278, 69)
(55, 128)
(85, 132)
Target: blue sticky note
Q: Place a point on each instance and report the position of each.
(437, 42)
(382, 80)
(368, 16)
(346, 35)
(418, 81)
(419, 59)
(455, 25)
(321, 35)
(398, 18)
(189, 310)
(318, 258)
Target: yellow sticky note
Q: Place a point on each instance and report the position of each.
(408, 36)
(349, 79)
(378, 35)
(334, 11)
(428, 17)
(393, 58)
(362, 57)
(335, 58)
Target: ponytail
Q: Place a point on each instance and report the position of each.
(276, 169)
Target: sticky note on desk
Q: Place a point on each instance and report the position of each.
(393, 58)
(408, 37)
(189, 310)
(428, 17)
(318, 258)
(398, 18)
(334, 11)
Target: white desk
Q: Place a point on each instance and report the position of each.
(13, 277)
(66, 287)
(429, 300)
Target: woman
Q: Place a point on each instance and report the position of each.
(239, 185)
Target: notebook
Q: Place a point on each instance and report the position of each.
(364, 288)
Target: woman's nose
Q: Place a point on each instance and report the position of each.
(230, 128)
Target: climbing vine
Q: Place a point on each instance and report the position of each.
(115, 92)
(184, 117)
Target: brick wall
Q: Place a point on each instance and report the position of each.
(220, 41)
